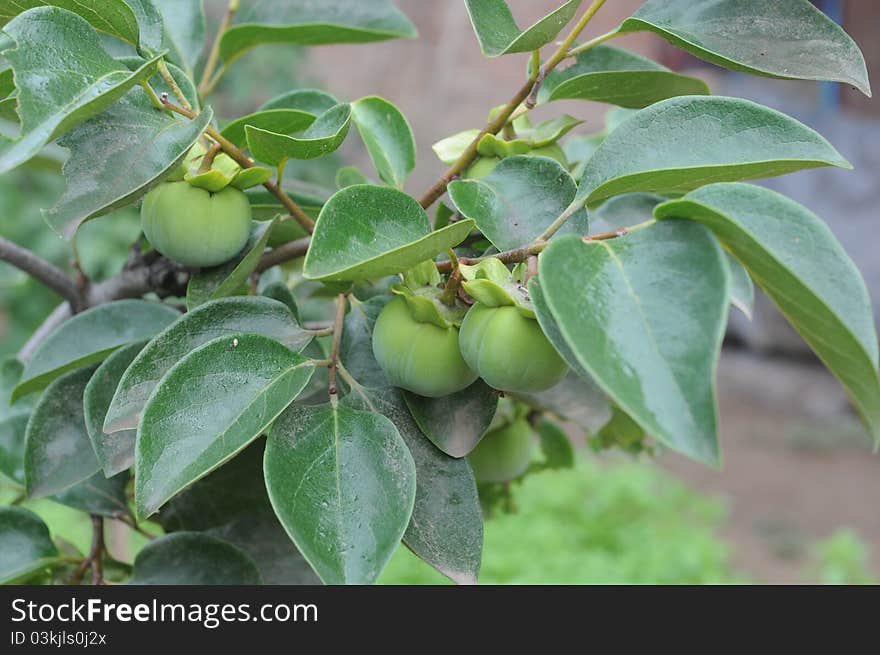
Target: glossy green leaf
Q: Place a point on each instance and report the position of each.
(498, 33)
(89, 337)
(322, 137)
(448, 150)
(115, 450)
(742, 289)
(518, 200)
(795, 258)
(369, 231)
(58, 453)
(314, 23)
(63, 77)
(455, 424)
(644, 315)
(13, 421)
(25, 545)
(791, 39)
(112, 143)
(228, 279)
(207, 408)
(310, 101)
(617, 77)
(446, 527)
(343, 483)
(184, 30)
(112, 17)
(218, 318)
(279, 121)
(232, 504)
(388, 137)
(192, 558)
(686, 142)
(356, 349)
(98, 495)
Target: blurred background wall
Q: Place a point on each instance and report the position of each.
(798, 467)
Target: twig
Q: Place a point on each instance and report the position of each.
(95, 559)
(341, 301)
(208, 158)
(172, 84)
(500, 120)
(283, 253)
(592, 43)
(246, 162)
(209, 81)
(42, 271)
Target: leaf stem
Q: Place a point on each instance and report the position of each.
(172, 84)
(592, 43)
(246, 162)
(42, 271)
(500, 120)
(208, 158)
(154, 98)
(341, 302)
(209, 80)
(557, 224)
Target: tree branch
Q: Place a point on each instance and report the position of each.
(497, 124)
(42, 271)
(284, 253)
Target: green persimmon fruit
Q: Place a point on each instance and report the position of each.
(419, 357)
(554, 151)
(480, 168)
(503, 454)
(195, 227)
(509, 350)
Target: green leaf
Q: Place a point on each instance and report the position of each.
(218, 318)
(577, 398)
(13, 421)
(448, 150)
(281, 292)
(446, 527)
(110, 167)
(617, 77)
(742, 289)
(184, 31)
(343, 483)
(555, 444)
(455, 424)
(279, 121)
(191, 558)
(207, 408)
(89, 337)
(499, 34)
(388, 137)
(311, 101)
(114, 450)
(795, 258)
(228, 279)
(322, 137)
(356, 349)
(518, 200)
(623, 211)
(232, 504)
(314, 23)
(57, 93)
(350, 176)
(98, 495)
(791, 40)
(25, 545)
(7, 82)
(644, 315)
(620, 431)
(58, 453)
(686, 142)
(367, 231)
(112, 17)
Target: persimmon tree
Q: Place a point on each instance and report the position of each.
(544, 280)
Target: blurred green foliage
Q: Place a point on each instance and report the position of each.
(621, 523)
(842, 559)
